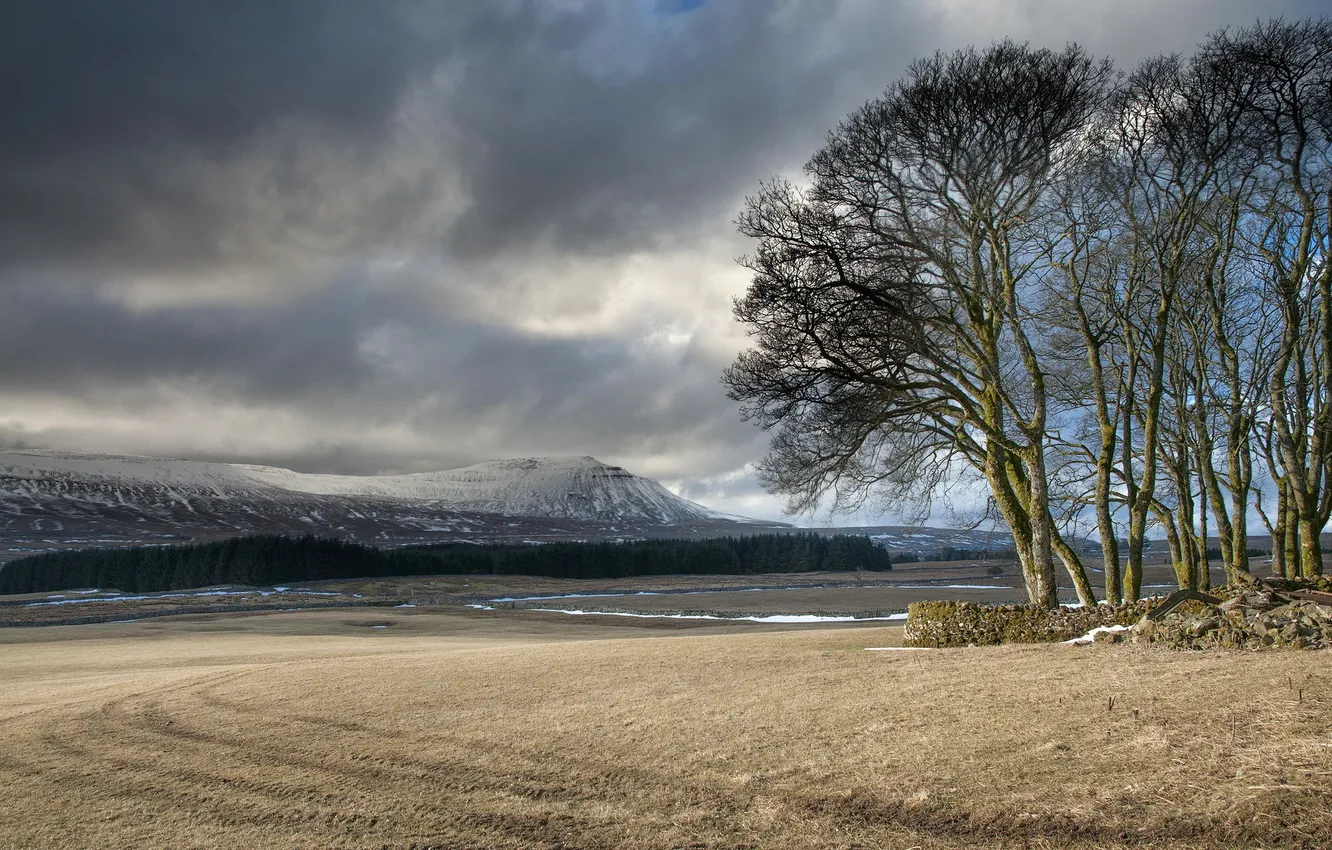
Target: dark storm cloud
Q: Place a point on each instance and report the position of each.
(104, 101)
(50, 336)
(97, 74)
(602, 126)
(136, 132)
(607, 145)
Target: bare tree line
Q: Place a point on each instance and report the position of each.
(1106, 293)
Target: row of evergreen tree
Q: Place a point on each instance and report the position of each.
(269, 560)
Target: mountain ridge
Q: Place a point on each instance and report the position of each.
(63, 493)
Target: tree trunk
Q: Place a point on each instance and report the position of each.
(1277, 530)
(1004, 475)
(1072, 563)
(1038, 509)
(1291, 544)
(1114, 583)
(1241, 468)
(1311, 554)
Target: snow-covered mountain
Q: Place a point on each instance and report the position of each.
(552, 487)
(77, 496)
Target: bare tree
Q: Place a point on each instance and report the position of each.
(890, 305)
(1282, 71)
(1100, 295)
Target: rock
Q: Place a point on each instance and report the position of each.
(1244, 578)
(1202, 626)
(1260, 601)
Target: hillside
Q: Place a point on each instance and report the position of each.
(50, 499)
(552, 487)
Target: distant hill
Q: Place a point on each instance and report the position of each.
(56, 499)
(926, 543)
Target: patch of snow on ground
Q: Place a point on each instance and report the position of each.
(951, 586)
(123, 598)
(745, 590)
(772, 618)
(1090, 636)
(571, 596)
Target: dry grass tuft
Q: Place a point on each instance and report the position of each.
(509, 729)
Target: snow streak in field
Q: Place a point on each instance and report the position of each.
(1090, 637)
(120, 598)
(575, 596)
(751, 590)
(770, 618)
(950, 586)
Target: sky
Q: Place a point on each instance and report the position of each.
(390, 237)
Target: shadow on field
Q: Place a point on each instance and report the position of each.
(860, 811)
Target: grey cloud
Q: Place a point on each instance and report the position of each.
(54, 337)
(114, 74)
(121, 110)
(361, 353)
(141, 130)
(622, 158)
(153, 133)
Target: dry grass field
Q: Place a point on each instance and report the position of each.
(517, 729)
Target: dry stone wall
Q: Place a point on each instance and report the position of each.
(1256, 619)
(948, 623)
(1254, 615)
